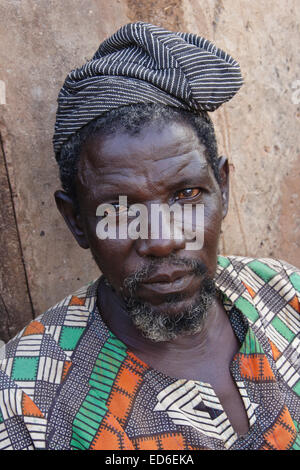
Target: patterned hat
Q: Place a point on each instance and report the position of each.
(142, 63)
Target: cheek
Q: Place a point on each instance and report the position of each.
(111, 257)
(212, 229)
(213, 217)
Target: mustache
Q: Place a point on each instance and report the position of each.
(132, 282)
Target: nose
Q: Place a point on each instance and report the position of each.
(157, 243)
(160, 247)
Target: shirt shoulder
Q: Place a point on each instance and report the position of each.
(261, 272)
(34, 363)
(55, 333)
(267, 291)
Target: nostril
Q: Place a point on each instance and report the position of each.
(161, 248)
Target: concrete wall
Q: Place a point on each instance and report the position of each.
(41, 41)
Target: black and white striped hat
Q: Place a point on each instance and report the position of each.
(143, 63)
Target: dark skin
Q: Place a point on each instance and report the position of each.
(162, 164)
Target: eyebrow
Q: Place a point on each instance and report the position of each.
(184, 174)
(132, 191)
(186, 181)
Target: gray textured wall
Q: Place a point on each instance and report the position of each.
(41, 41)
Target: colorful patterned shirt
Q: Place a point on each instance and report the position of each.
(67, 382)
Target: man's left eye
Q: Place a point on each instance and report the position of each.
(188, 193)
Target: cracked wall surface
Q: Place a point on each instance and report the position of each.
(258, 130)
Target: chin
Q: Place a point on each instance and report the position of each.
(174, 317)
(172, 306)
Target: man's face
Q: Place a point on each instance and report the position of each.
(166, 288)
(162, 164)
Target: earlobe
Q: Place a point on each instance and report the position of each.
(224, 183)
(67, 208)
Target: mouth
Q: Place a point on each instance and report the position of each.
(161, 282)
(168, 283)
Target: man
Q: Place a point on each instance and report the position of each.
(173, 347)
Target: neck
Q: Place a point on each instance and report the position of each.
(178, 351)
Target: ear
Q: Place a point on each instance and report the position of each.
(66, 206)
(224, 182)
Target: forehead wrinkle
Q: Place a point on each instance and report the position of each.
(188, 159)
(113, 183)
(164, 143)
(143, 182)
(148, 166)
(191, 159)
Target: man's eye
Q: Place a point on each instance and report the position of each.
(188, 193)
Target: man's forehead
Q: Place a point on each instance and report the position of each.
(143, 166)
(163, 147)
(138, 181)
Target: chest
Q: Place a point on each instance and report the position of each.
(218, 389)
(227, 393)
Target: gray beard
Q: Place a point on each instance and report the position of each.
(166, 326)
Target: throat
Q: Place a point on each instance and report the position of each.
(188, 356)
(201, 357)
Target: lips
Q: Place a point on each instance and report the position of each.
(166, 277)
(167, 283)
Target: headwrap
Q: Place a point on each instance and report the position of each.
(143, 63)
